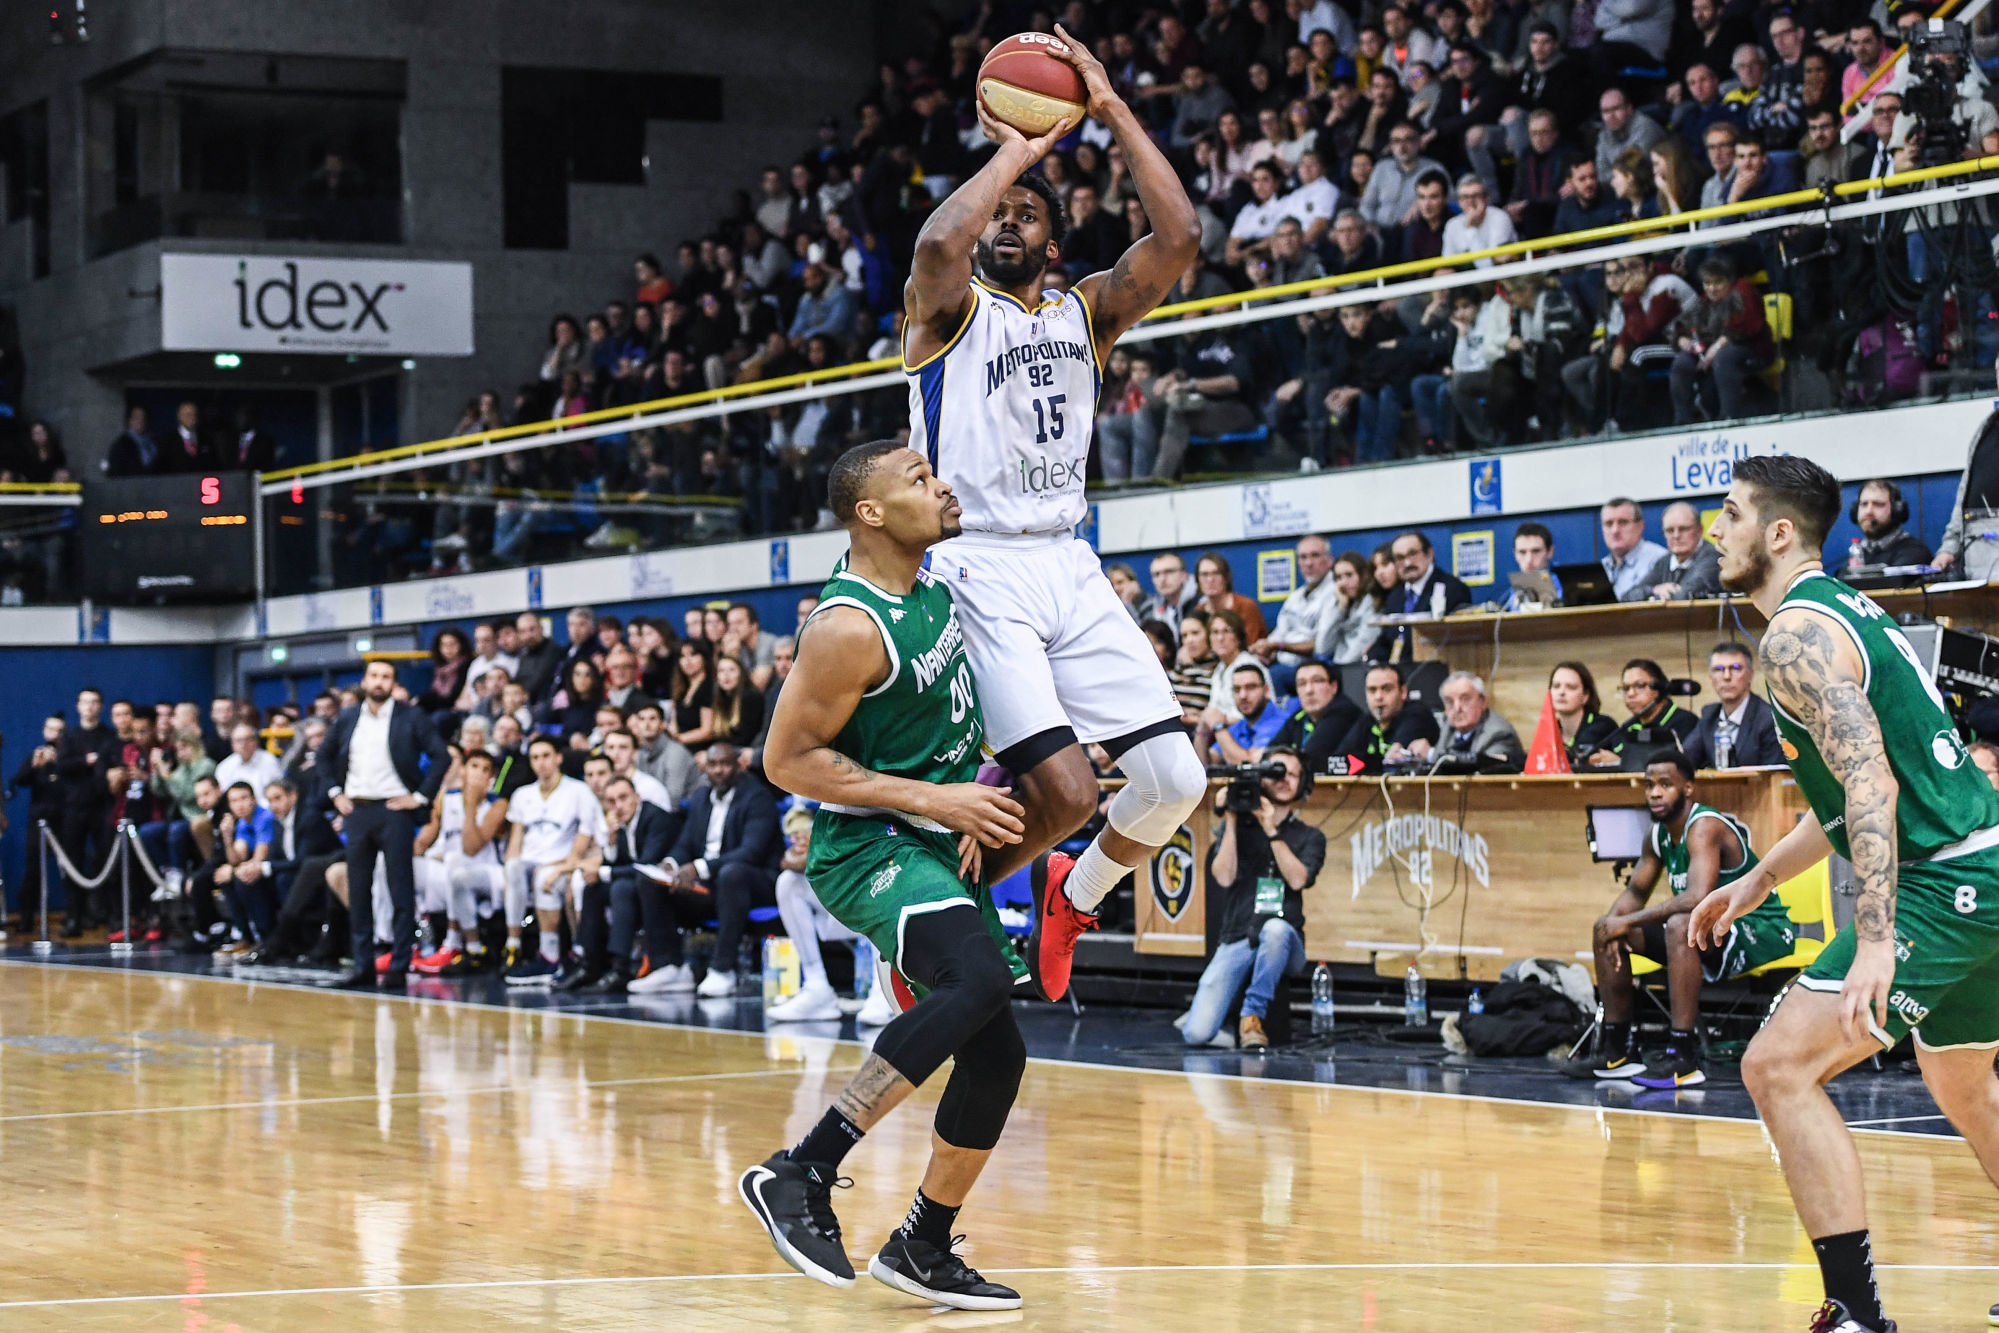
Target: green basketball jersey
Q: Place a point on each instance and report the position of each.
(923, 722)
(1944, 798)
(1677, 859)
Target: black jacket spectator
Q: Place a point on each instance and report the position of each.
(538, 667)
(1370, 742)
(1563, 88)
(1755, 739)
(1317, 739)
(82, 776)
(1424, 599)
(412, 741)
(132, 454)
(750, 832)
(1476, 99)
(648, 840)
(1900, 547)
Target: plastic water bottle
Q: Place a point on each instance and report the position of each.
(864, 967)
(1415, 1000)
(1322, 998)
(1854, 559)
(1476, 1005)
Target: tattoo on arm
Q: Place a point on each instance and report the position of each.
(1807, 678)
(1128, 290)
(873, 1092)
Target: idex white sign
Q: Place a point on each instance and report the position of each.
(294, 303)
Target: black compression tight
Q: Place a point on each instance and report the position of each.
(968, 1013)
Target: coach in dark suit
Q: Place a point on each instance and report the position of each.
(1739, 731)
(374, 769)
(134, 453)
(642, 836)
(730, 847)
(1426, 591)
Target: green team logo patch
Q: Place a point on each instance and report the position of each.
(883, 878)
(1947, 748)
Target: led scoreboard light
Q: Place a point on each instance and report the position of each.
(185, 536)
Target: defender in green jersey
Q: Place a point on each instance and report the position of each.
(1696, 850)
(879, 722)
(1892, 789)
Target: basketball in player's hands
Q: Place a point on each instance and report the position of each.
(1023, 83)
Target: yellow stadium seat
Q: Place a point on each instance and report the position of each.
(1777, 314)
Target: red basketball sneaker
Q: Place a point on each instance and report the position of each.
(1051, 948)
(434, 964)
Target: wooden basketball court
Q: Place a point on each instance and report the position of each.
(210, 1155)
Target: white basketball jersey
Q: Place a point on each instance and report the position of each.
(451, 829)
(1005, 411)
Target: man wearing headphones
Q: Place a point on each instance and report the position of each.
(1880, 512)
(1261, 865)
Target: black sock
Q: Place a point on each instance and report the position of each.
(1616, 1038)
(829, 1141)
(1847, 1263)
(1684, 1043)
(928, 1220)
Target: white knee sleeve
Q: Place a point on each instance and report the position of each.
(517, 893)
(1164, 785)
(548, 886)
(432, 886)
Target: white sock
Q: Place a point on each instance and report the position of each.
(453, 939)
(1094, 876)
(551, 947)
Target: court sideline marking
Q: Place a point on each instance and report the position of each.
(389, 1096)
(787, 1274)
(668, 1025)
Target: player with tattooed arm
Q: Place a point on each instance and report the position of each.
(1893, 790)
(1003, 384)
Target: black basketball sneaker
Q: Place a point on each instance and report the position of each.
(932, 1274)
(794, 1201)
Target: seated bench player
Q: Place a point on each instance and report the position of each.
(1697, 850)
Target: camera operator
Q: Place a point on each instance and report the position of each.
(1264, 860)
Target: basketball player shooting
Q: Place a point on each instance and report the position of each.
(1892, 790)
(1002, 399)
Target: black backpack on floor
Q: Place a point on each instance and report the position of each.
(1522, 1018)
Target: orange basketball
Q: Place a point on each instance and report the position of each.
(1021, 83)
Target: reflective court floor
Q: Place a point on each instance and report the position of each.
(200, 1153)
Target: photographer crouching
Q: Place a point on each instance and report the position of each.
(1261, 864)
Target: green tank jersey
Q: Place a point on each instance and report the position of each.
(1676, 859)
(1944, 799)
(923, 722)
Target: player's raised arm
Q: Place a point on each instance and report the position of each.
(1817, 677)
(1143, 274)
(840, 658)
(940, 272)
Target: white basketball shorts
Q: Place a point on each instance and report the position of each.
(1049, 642)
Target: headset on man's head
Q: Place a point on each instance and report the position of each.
(1898, 508)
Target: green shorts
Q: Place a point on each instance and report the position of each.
(874, 872)
(1946, 951)
(1750, 943)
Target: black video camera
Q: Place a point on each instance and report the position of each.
(1245, 790)
(1939, 55)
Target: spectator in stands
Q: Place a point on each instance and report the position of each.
(571, 712)
(1198, 105)
(1230, 644)
(621, 681)
(1631, 39)
(1880, 513)
(1351, 621)
(1389, 201)
(1426, 589)
(659, 756)
(1643, 688)
(1312, 204)
(1473, 735)
(1250, 233)
(1629, 558)
(739, 705)
(565, 350)
(1173, 593)
(450, 655)
(1295, 636)
(1384, 736)
(1585, 202)
(1739, 731)
(826, 307)
(1868, 52)
(1259, 714)
(1691, 567)
(1579, 711)
(1724, 345)
(1623, 127)
(134, 453)
(1093, 240)
(188, 449)
(1828, 161)
(1477, 226)
(1215, 580)
(1210, 393)
(1127, 424)
(1423, 235)
(1631, 184)
(1610, 386)
(247, 762)
(1541, 169)
(1676, 177)
(1471, 100)
(1325, 717)
(1533, 551)
(1193, 669)
(1350, 360)
(746, 637)
(539, 657)
(40, 776)
(693, 722)
(1407, 42)
(1263, 924)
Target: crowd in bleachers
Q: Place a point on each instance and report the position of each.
(1319, 139)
